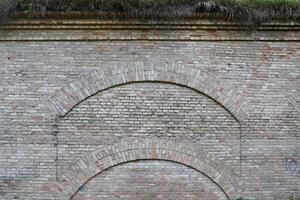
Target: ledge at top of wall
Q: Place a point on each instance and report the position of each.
(150, 30)
(19, 22)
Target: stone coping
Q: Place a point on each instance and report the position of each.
(133, 30)
(143, 24)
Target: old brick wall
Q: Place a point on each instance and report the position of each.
(67, 93)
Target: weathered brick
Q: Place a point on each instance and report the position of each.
(225, 104)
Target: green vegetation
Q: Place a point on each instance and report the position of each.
(5, 7)
(251, 11)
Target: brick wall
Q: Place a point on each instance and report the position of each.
(65, 94)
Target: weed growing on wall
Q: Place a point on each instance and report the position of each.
(251, 11)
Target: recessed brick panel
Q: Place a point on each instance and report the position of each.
(149, 110)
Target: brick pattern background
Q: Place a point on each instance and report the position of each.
(263, 74)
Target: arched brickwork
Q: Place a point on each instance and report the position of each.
(150, 180)
(69, 96)
(145, 149)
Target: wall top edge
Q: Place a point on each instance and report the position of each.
(20, 24)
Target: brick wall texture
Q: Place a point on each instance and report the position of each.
(145, 119)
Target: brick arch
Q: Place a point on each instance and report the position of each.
(94, 163)
(69, 96)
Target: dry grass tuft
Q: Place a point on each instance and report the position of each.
(250, 11)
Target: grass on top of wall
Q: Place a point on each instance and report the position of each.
(248, 11)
